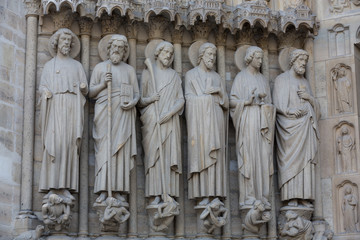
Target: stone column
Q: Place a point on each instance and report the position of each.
(85, 32)
(180, 219)
(263, 44)
(220, 44)
(310, 72)
(131, 32)
(26, 220)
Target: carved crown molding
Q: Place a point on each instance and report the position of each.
(201, 30)
(177, 35)
(32, 7)
(110, 24)
(63, 19)
(85, 25)
(157, 26)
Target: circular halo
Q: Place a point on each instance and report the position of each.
(284, 58)
(240, 57)
(150, 49)
(102, 48)
(75, 48)
(194, 52)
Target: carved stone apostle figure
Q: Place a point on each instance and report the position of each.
(296, 132)
(206, 108)
(254, 120)
(62, 87)
(349, 210)
(161, 103)
(342, 86)
(345, 148)
(124, 97)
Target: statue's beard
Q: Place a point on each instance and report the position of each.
(299, 70)
(115, 57)
(65, 50)
(209, 64)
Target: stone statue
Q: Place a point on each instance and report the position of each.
(161, 104)
(296, 132)
(343, 89)
(32, 234)
(214, 215)
(206, 105)
(254, 120)
(115, 211)
(62, 87)
(337, 6)
(56, 210)
(256, 217)
(124, 96)
(349, 210)
(345, 149)
(296, 227)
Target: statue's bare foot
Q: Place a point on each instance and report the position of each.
(306, 203)
(118, 196)
(156, 201)
(293, 203)
(250, 200)
(101, 198)
(204, 202)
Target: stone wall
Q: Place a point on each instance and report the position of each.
(12, 65)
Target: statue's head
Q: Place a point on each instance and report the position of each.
(348, 190)
(290, 215)
(298, 60)
(164, 53)
(62, 41)
(259, 205)
(55, 199)
(342, 72)
(207, 54)
(117, 48)
(344, 130)
(254, 57)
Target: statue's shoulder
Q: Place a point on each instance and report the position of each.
(128, 67)
(283, 76)
(191, 72)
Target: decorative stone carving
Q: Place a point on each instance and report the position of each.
(293, 3)
(202, 9)
(296, 132)
(254, 120)
(255, 218)
(338, 6)
(296, 227)
(339, 40)
(107, 6)
(32, 234)
(85, 25)
(110, 24)
(62, 113)
(206, 108)
(342, 88)
(252, 12)
(177, 35)
(213, 215)
(32, 7)
(114, 86)
(349, 209)
(201, 31)
(345, 149)
(158, 7)
(244, 36)
(322, 230)
(131, 28)
(356, 2)
(56, 209)
(157, 26)
(60, 3)
(161, 103)
(63, 19)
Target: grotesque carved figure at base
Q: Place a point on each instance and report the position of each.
(114, 86)
(297, 132)
(161, 104)
(63, 86)
(32, 234)
(214, 215)
(296, 227)
(256, 217)
(56, 209)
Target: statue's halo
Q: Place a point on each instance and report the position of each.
(284, 58)
(74, 51)
(102, 48)
(150, 49)
(194, 52)
(240, 57)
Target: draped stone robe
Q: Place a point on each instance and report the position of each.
(205, 117)
(296, 139)
(254, 126)
(123, 134)
(61, 120)
(168, 85)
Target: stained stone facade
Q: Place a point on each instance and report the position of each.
(327, 30)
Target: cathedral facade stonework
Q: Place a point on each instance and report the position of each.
(124, 119)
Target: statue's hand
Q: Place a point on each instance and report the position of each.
(83, 87)
(304, 95)
(108, 77)
(212, 90)
(164, 118)
(128, 106)
(250, 101)
(155, 97)
(47, 94)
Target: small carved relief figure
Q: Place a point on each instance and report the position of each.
(56, 210)
(214, 215)
(337, 6)
(63, 87)
(113, 84)
(296, 227)
(166, 211)
(115, 211)
(349, 210)
(206, 114)
(254, 120)
(32, 234)
(293, 3)
(345, 147)
(342, 86)
(256, 217)
(296, 132)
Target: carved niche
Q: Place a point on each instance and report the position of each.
(342, 89)
(345, 145)
(347, 208)
(338, 6)
(339, 40)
